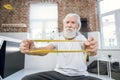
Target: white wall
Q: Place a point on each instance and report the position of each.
(15, 35)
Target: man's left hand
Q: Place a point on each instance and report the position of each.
(91, 46)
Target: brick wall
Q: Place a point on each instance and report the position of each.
(20, 13)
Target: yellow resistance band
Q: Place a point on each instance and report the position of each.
(58, 41)
(56, 51)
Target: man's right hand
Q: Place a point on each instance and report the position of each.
(26, 45)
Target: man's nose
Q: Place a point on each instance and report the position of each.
(69, 25)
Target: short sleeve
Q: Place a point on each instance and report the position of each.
(82, 38)
(55, 43)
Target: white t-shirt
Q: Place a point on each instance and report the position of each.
(72, 63)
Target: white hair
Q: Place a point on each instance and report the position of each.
(71, 15)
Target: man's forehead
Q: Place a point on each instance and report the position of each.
(74, 18)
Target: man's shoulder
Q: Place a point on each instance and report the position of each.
(59, 37)
(80, 36)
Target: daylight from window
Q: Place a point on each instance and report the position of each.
(109, 5)
(43, 21)
(110, 28)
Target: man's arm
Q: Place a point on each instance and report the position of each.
(48, 47)
(27, 45)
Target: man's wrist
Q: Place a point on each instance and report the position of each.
(92, 53)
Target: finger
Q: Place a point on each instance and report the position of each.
(23, 45)
(86, 43)
(91, 50)
(93, 42)
(26, 41)
(89, 43)
(90, 39)
(92, 46)
(24, 48)
(25, 51)
(31, 41)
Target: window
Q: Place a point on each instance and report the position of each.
(110, 27)
(109, 31)
(43, 21)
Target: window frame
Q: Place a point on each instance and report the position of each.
(117, 16)
(43, 21)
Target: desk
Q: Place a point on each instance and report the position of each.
(108, 60)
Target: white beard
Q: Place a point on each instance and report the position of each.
(69, 33)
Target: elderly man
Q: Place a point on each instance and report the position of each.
(70, 66)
